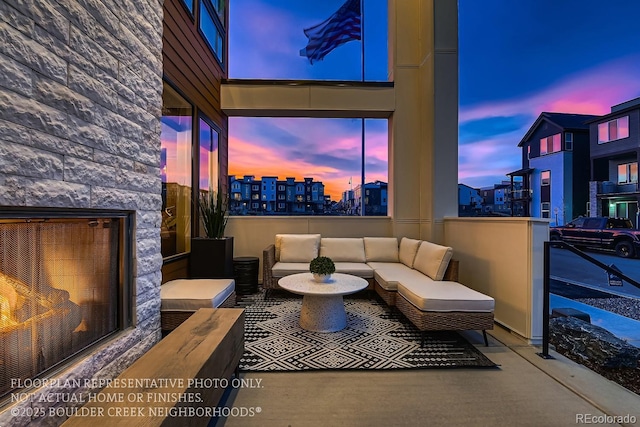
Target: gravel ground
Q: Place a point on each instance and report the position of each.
(628, 307)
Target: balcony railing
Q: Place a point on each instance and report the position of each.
(609, 187)
(524, 194)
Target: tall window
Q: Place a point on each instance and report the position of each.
(175, 165)
(568, 141)
(613, 129)
(212, 26)
(550, 144)
(628, 173)
(208, 156)
(310, 160)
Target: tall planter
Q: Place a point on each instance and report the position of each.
(211, 258)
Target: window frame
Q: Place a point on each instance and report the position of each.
(628, 172)
(568, 141)
(545, 181)
(219, 27)
(202, 117)
(545, 212)
(190, 10)
(608, 126)
(549, 144)
(193, 141)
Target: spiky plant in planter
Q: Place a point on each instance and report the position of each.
(322, 268)
(212, 255)
(213, 212)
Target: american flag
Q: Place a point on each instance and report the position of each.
(341, 27)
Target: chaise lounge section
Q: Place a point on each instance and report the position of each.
(419, 277)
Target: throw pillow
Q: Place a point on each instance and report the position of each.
(342, 249)
(381, 249)
(408, 250)
(299, 247)
(432, 259)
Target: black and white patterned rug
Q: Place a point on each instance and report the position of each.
(376, 337)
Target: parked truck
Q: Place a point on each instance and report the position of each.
(615, 234)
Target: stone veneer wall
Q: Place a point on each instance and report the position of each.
(80, 107)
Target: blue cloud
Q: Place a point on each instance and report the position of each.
(474, 130)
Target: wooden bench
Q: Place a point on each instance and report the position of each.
(184, 374)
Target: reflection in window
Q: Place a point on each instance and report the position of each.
(189, 4)
(315, 163)
(613, 129)
(175, 164)
(270, 48)
(628, 173)
(208, 157)
(550, 144)
(218, 5)
(545, 178)
(211, 32)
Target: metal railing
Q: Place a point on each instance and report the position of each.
(547, 285)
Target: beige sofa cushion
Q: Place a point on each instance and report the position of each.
(432, 259)
(342, 249)
(381, 249)
(297, 247)
(281, 269)
(390, 274)
(445, 296)
(359, 269)
(408, 250)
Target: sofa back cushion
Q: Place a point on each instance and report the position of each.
(408, 250)
(432, 259)
(343, 249)
(297, 247)
(381, 249)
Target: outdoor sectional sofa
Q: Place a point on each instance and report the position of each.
(419, 277)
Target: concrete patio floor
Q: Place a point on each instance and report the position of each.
(526, 390)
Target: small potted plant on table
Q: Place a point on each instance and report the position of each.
(322, 268)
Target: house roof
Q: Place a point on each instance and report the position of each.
(618, 110)
(565, 121)
(520, 172)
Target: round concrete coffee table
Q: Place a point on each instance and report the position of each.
(322, 304)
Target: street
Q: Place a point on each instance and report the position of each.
(566, 266)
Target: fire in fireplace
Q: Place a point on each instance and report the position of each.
(63, 287)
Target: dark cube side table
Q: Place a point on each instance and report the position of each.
(245, 269)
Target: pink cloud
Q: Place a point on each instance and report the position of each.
(593, 91)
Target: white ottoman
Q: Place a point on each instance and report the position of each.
(182, 297)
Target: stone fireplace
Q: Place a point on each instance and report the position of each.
(81, 97)
(64, 288)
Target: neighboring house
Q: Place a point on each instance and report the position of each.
(555, 168)
(615, 150)
(469, 200)
(495, 199)
(375, 199)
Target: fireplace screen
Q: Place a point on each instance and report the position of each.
(60, 281)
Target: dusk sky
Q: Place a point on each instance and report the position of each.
(517, 59)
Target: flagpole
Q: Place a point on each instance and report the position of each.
(362, 191)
